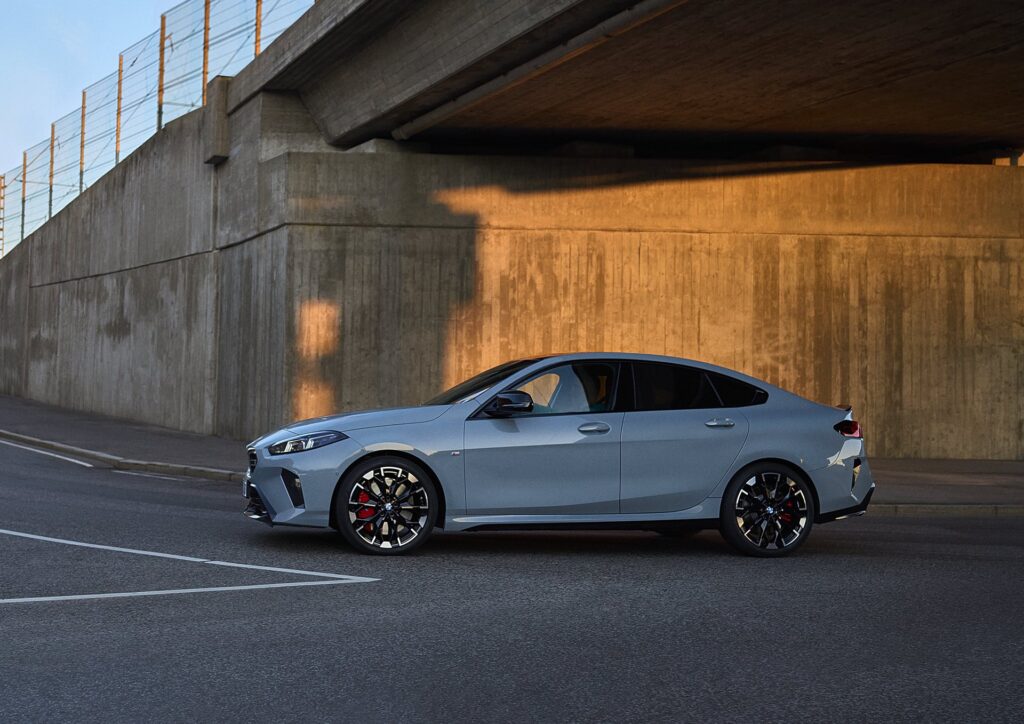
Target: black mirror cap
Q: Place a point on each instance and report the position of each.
(510, 403)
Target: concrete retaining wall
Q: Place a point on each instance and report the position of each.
(294, 280)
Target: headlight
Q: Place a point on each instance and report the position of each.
(306, 442)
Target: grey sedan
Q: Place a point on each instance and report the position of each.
(572, 441)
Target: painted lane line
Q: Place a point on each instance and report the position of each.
(97, 546)
(48, 453)
(294, 571)
(190, 559)
(174, 591)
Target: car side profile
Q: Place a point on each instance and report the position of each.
(580, 440)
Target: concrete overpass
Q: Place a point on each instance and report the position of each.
(397, 194)
(937, 76)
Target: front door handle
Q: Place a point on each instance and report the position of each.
(720, 422)
(593, 427)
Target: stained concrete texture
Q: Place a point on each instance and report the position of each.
(294, 279)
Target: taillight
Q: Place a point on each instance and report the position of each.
(848, 428)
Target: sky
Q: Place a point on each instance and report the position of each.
(50, 50)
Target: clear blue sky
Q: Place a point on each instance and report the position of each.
(50, 50)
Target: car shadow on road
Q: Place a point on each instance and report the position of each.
(512, 543)
(581, 544)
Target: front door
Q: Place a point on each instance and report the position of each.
(560, 459)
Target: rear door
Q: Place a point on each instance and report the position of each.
(678, 441)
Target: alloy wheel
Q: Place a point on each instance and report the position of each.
(771, 511)
(389, 507)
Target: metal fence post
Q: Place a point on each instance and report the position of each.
(259, 25)
(53, 136)
(120, 96)
(206, 46)
(24, 177)
(81, 150)
(3, 213)
(160, 75)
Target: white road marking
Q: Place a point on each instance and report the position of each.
(171, 592)
(46, 452)
(293, 571)
(333, 578)
(47, 539)
(145, 475)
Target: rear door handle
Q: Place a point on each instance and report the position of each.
(593, 427)
(720, 422)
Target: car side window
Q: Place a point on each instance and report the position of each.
(735, 393)
(663, 386)
(579, 387)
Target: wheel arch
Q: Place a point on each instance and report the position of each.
(441, 503)
(788, 463)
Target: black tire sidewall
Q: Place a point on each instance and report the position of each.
(354, 474)
(731, 531)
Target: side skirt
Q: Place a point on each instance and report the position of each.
(707, 524)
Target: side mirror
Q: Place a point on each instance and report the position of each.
(509, 403)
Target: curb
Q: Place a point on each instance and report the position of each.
(119, 463)
(948, 510)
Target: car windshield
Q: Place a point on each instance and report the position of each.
(475, 385)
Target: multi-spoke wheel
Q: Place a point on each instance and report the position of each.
(386, 506)
(767, 510)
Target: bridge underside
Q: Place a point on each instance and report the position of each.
(940, 77)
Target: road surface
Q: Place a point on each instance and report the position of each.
(875, 618)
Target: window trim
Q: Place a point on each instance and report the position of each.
(618, 364)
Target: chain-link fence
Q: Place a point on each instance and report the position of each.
(159, 78)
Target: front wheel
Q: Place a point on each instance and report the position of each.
(767, 510)
(386, 506)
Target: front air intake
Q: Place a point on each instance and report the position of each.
(293, 485)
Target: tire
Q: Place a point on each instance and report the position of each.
(363, 506)
(767, 510)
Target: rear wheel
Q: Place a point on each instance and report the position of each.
(767, 510)
(386, 506)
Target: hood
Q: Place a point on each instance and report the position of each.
(369, 418)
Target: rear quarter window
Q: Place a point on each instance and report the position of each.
(735, 393)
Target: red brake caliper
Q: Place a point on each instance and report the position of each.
(365, 513)
(787, 516)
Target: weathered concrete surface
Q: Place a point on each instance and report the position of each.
(294, 279)
(896, 289)
(14, 318)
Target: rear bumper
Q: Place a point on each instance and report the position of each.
(858, 509)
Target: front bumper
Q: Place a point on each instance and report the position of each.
(255, 509)
(296, 489)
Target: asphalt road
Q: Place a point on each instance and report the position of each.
(874, 618)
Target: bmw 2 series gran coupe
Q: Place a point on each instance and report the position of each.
(579, 440)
